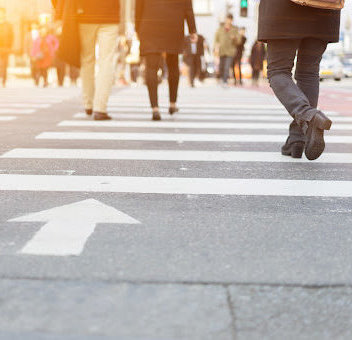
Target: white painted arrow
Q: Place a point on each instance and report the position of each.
(68, 227)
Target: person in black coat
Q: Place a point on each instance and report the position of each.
(193, 53)
(160, 28)
(257, 60)
(292, 30)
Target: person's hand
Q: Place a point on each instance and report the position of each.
(194, 37)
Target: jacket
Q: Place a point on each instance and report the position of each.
(227, 40)
(283, 19)
(160, 25)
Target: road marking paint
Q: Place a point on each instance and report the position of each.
(68, 227)
(17, 111)
(182, 186)
(178, 137)
(25, 105)
(186, 125)
(171, 155)
(7, 118)
(210, 117)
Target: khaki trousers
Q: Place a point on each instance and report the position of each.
(96, 89)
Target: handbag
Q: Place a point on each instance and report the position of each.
(323, 4)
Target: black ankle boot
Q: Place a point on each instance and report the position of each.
(315, 135)
(295, 149)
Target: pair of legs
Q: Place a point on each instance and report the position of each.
(3, 68)
(152, 68)
(96, 90)
(301, 98)
(226, 63)
(255, 76)
(41, 73)
(194, 67)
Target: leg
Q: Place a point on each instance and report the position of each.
(152, 67)
(174, 77)
(240, 69)
(221, 68)
(281, 56)
(107, 40)
(192, 60)
(227, 65)
(88, 34)
(5, 60)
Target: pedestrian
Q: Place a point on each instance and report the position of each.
(60, 65)
(160, 27)
(237, 64)
(87, 23)
(292, 30)
(226, 39)
(257, 61)
(6, 42)
(43, 54)
(193, 54)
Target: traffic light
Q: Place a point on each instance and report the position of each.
(244, 8)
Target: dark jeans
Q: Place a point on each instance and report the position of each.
(152, 68)
(194, 63)
(4, 58)
(224, 68)
(300, 99)
(237, 62)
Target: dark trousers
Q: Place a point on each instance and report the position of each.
(255, 75)
(195, 65)
(301, 98)
(224, 68)
(4, 59)
(152, 68)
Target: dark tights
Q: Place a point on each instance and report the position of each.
(153, 65)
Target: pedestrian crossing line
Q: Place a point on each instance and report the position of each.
(176, 186)
(205, 111)
(170, 155)
(7, 118)
(17, 111)
(118, 104)
(178, 137)
(186, 125)
(25, 105)
(190, 117)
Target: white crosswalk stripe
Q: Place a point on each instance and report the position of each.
(7, 118)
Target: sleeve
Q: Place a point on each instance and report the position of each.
(191, 21)
(138, 15)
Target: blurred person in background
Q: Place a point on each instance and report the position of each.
(257, 61)
(133, 59)
(294, 31)
(87, 23)
(227, 38)
(237, 63)
(60, 65)
(193, 53)
(43, 54)
(6, 42)
(160, 28)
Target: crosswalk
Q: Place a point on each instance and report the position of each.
(254, 125)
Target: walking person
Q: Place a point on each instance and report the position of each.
(226, 40)
(193, 53)
(292, 30)
(237, 63)
(87, 23)
(6, 42)
(160, 28)
(257, 61)
(43, 54)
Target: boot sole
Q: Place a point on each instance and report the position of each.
(316, 144)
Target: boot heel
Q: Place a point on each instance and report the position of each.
(297, 150)
(323, 122)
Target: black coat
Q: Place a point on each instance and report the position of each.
(188, 46)
(283, 19)
(160, 25)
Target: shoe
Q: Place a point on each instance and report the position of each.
(315, 136)
(295, 149)
(173, 110)
(156, 116)
(89, 112)
(101, 116)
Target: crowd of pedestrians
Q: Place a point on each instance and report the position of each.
(289, 30)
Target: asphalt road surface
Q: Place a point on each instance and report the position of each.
(191, 228)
